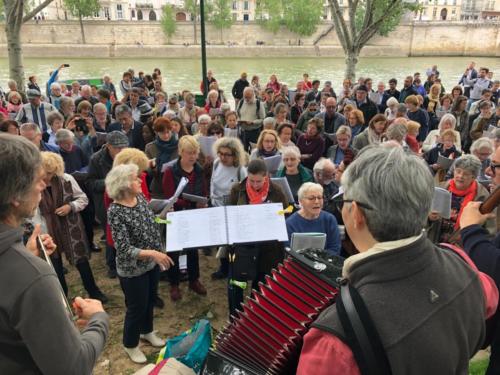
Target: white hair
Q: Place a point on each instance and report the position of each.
(447, 117)
(480, 143)
(119, 179)
(320, 165)
(308, 186)
(204, 118)
(55, 85)
(291, 150)
(64, 135)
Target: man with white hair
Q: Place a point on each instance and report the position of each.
(251, 113)
(86, 94)
(424, 307)
(324, 174)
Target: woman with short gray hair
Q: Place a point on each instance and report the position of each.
(464, 188)
(139, 255)
(483, 148)
(312, 219)
(294, 172)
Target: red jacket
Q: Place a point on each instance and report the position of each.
(108, 201)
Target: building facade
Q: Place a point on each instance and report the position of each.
(439, 10)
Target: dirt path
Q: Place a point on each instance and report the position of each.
(172, 320)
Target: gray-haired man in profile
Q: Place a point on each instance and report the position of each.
(37, 335)
(427, 304)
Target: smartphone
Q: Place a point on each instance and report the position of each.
(66, 65)
(81, 125)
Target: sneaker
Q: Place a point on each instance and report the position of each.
(136, 355)
(198, 288)
(111, 274)
(99, 296)
(158, 302)
(153, 339)
(175, 293)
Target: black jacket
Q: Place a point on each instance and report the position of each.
(135, 138)
(369, 110)
(238, 88)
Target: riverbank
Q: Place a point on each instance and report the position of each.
(120, 39)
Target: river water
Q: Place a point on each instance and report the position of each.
(181, 74)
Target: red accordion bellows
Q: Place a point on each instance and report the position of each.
(266, 336)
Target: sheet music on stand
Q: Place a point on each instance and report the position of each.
(300, 241)
(225, 225)
(45, 256)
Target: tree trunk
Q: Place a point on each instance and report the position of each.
(13, 32)
(351, 61)
(221, 36)
(82, 29)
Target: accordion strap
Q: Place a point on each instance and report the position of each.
(361, 334)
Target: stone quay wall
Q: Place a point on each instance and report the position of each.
(121, 39)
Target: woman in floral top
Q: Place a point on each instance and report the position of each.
(139, 256)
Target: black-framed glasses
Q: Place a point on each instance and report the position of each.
(493, 167)
(340, 204)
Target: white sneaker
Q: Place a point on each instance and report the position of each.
(136, 355)
(153, 339)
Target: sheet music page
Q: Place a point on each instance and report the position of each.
(206, 144)
(273, 163)
(441, 202)
(196, 228)
(228, 132)
(285, 187)
(256, 223)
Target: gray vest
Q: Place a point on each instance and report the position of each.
(427, 305)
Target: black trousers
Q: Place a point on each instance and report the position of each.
(110, 257)
(248, 136)
(139, 292)
(193, 267)
(86, 275)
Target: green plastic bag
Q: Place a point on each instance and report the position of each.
(190, 347)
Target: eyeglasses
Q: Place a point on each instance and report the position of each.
(315, 198)
(340, 204)
(225, 154)
(493, 168)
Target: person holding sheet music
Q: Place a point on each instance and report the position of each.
(311, 143)
(139, 256)
(446, 148)
(258, 259)
(295, 173)
(312, 219)
(227, 169)
(336, 152)
(163, 149)
(186, 166)
(268, 145)
(464, 189)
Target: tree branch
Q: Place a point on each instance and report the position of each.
(353, 4)
(33, 13)
(340, 25)
(372, 29)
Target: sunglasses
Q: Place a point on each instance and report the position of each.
(340, 204)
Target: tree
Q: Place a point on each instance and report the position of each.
(16, 13)
(366, 19)
(193, 8)
(168, 23)
(82, 8)
(299, 16)
(221, 16)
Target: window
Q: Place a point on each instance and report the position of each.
(96, 14)
(453, 11)
(235, 5)
(119, 11)
(246, 17)
(132, 13)
(245, 5)
(454, 2)
(434, 12)
(106, 13)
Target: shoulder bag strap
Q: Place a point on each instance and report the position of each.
(361, 334)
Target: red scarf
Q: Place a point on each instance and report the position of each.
(257, 197)
(468, 195)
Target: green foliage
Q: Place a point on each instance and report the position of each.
(193, 7)
(383, 8)
(168, 23)
(82, 8)
(299, 16)
(220, 14)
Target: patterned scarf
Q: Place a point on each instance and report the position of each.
(257, 197)
(468, 195)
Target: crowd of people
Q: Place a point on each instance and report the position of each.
(105, 152)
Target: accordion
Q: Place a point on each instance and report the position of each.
(265, 337)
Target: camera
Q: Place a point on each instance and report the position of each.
(81, 126)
